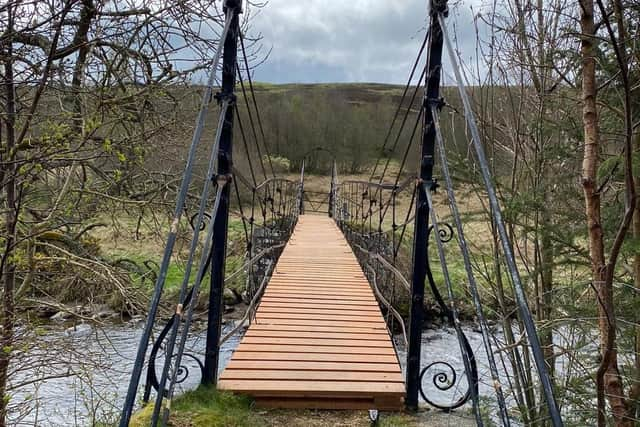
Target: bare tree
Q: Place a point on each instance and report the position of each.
(609, 383)
(90, 90)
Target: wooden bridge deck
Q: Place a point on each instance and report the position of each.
(319, 339)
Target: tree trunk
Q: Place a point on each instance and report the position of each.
(7, 264)
(634, 394)
(608, 380)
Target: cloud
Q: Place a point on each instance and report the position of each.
(357, 41)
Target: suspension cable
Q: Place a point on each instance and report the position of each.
(251, 122)
(397, 112)
(171, 239)
(402, 125)
(246, 147)
(207, 253)
(464, 249)
(406, 154)
(255, 103)
(519, 292)
(192, 251)
(251, 305)
(467, 357)
(242, 216)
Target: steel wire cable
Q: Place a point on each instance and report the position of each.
(397, 112)
(204, 261)
(519, 292)
(402, 125)
(467, 356)
(251, 123)
(242, 216)
(198, 226)
(246, 147)
(396, 249)
(406, 154)
(464, 249)
(134, 381)
(255, 104)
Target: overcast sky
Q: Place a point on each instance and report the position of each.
(350, 41)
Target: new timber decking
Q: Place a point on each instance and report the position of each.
(319, 339)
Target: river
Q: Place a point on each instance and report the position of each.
(89, 367)
(88, 374)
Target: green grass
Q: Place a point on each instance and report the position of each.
(206, 407)
(176, 270)
(396, 420)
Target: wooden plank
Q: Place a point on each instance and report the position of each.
(315, 328)
(312, 388)
(331, 300)
(313, 285)
(315, 322)
(305, 316)
(285, 266)
(329, 272)
(308, 282)
(297, 296)
(325, 306)
(308, 287)
(320, 292)
(367, 316)
(262, 359)
(315, 334)
(333, 303)
(322, 297)
(329, 342)
(317, 310)
(325, 296)
(308, 375)
(320, 276)
(286, 263)
(315, 349)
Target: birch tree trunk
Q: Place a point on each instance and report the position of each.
(608, 379)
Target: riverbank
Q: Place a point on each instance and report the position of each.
(206, 407)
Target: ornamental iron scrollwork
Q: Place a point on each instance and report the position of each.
(183, 371)
(446, 378)
(271, 230)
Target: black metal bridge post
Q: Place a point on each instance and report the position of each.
(301, 190)
(332, 191)
(225, 161)
(431, 95)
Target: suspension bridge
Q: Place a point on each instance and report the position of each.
(324, 287)
(318, 339)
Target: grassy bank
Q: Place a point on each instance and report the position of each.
(206, 407)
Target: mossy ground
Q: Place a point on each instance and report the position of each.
(206, 407)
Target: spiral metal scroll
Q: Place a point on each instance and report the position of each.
(183, 371)
(447, 379)
(205, 219)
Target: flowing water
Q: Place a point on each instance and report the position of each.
(90, 367)
(82, 373)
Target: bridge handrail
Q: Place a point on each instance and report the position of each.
(270, 180)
